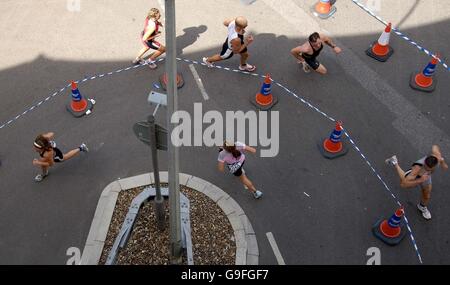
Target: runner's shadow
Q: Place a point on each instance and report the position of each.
(189, 37)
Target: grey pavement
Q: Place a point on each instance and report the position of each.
(332, 225)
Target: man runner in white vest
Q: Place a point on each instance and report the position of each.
(234, 44)
(420, 175)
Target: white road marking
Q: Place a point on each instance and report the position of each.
(199, 82)
(275, 249)
(306, 194)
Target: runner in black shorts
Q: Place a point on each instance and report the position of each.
(232, 156)
(234, 44)
(420, 175)
(308, 52)
(49, 153)
(151, 31)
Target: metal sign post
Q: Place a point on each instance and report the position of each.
(155, 136)
(172, 100)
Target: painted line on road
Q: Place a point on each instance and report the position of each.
(199, 82)
(400, 34)
(275, 249)
(306, 194)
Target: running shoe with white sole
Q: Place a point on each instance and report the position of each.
(151, 64)
(208, 64)
(258, 194)
(306, 67)
(84, 148)
(40, 177)
(425, 212)
(247, 67)
(391, 160)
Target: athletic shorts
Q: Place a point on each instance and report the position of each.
(312, 62)
(227, 52)
(240, 170)
(152, 44)
(424, 184)
(58, 155)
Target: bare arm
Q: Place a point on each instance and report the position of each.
(330, 43)
(221, 166)
(227, 22)
(250, 149)
(435, 150)
(47, 160)
(410, 181)
(297, 51)
(151, 28)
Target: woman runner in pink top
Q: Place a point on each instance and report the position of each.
(231, 156)
(151, 31)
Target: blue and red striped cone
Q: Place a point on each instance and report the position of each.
(78, 105)
(393, 231)
(163, 80)
(323, 9)
(333, 147)
(264, 99)
(424, 81)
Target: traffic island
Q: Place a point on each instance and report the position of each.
(221, 232)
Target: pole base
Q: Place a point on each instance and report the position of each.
(163, 80)
(414, 85)
(390, 241)
(86, 111)
(264, 107)
(333, 10)
(331, 155)
(383, 58)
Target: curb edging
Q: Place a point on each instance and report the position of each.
(247, 252)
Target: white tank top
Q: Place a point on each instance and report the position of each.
(232, 34)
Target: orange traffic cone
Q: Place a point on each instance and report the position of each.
(391, 232)
(333, 147)
(264, 100)
(323, 9)
(423, 81)
(79, 106)
(163, 79)
(381, 50)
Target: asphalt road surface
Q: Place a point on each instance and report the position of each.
(319, 211)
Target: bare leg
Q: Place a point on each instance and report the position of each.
(160, 51)
(71, 154)
(244, 179)
(426, 195)
(321, 69)
(44, 169)
(244, 57)
(142, 52)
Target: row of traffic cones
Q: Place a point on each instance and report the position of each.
(381, 50)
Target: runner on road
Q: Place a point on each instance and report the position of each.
(420, 175)
(234, 44)
(231, 156)
(151, 31)
(49, 153)
(307, 53)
